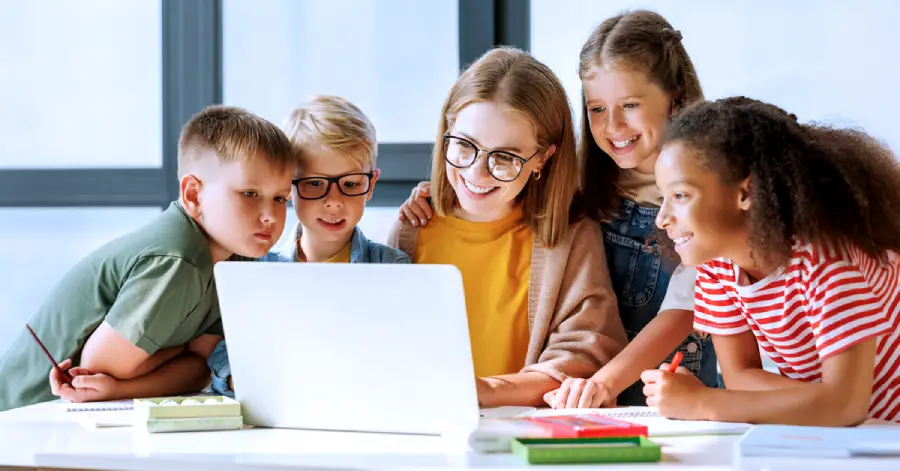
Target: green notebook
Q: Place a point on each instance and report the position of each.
(586, 450)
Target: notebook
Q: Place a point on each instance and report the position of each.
(105, 419)
(657, 425)
(820, 442)
(496, 435)
(99, 406)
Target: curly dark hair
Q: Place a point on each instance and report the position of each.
(810, 181)
(646, 41)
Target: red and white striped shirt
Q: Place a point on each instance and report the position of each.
(824, 300)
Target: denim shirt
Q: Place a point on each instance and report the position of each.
(362, 250)
(640, 278)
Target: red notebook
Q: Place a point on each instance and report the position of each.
(589, 425)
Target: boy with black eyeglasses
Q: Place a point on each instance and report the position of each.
(336, 177)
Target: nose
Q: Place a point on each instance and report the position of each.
(269, 215)
(333, 196)
(478, 171)
(615, 120)
(664, 217)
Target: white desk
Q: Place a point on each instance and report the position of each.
(45, 436)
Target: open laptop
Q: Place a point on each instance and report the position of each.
(353, 347)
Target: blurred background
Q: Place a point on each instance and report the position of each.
(93, 93)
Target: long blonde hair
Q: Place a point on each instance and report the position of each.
(513, 78)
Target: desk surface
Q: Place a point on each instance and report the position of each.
(45, 436)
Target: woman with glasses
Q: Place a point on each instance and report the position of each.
(636, 76)
(538, 294)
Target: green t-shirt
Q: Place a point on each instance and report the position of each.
(154, 287)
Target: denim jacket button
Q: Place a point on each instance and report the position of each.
(691, 347)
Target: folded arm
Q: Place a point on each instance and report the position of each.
(841, 398)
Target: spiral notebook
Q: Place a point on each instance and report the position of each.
(657, 425)
(99, 406)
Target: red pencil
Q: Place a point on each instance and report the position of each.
(63, 375)
(675, 361)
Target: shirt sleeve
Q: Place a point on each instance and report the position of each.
(156, 296)
(715, 312)
(843, 307)
(220, 369)
(680, 293)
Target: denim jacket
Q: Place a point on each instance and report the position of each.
(640, 279)
(362, 250)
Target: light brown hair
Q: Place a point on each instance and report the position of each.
(638, 40)
(335, 124)
(513, 78)
(232, 134)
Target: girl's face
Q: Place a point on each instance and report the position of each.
(489, 126)
(704, 216)
(628, 115)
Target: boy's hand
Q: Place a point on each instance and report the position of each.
(417, 209)
(88, 387)
(580, 393)
(677, 395)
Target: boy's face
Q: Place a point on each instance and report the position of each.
(240, 205)
(333, 217)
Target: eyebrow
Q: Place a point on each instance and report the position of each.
(625, 98)
(505, 148)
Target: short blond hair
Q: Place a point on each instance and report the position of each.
(333, 123)
(233, 134)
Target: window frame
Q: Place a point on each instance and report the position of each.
(192, 80)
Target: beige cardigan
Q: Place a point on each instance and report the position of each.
(572, 309)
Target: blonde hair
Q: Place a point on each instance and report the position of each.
(336, 124)
(513, 78)
(232, 134)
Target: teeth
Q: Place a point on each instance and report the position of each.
(477, 189)
(332, 220)
(681, 240)
(621, 144)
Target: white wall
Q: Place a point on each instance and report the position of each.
(825, 60)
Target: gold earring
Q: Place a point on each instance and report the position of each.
(536, 174)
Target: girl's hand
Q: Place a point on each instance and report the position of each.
(677, 395)
(416, 209)
(580, 393)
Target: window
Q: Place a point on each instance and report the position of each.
(81, 84)
(823, 61)
(395, 59)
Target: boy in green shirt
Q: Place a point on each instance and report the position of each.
(139, 316)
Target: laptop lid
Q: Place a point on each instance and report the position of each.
(358, 347)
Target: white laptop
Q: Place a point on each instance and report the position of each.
(352, 347)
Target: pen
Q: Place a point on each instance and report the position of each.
(675, 361)
(63, 375)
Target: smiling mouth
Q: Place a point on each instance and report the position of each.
(682, 240)
(479, 190)
(625, 143)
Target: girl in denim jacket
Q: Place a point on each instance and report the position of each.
(636, 76)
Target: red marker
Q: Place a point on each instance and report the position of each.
(675, 361)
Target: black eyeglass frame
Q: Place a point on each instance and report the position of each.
(523, 161)
(334, 181)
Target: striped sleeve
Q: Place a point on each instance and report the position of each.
(843, 307)
(715, 312)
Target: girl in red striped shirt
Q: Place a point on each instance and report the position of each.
(795, 230)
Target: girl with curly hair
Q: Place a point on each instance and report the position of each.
(795, 230)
